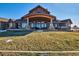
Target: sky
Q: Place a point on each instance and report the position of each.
(62, 11)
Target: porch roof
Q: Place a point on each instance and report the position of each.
(38, 15)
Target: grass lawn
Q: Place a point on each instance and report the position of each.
(42, 41)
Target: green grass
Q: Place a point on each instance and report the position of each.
(42, 41)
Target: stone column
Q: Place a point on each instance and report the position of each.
(28, 26)
(51, 27)
(10, 25)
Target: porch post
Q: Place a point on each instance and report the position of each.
(27, 26)
(51, 27)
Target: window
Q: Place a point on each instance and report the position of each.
(39, 11)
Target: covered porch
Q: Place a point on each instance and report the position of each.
(39, 21)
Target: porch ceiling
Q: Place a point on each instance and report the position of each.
(39, 19)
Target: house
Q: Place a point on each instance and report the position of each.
(39, 18)
(75, 29)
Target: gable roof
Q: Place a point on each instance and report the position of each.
(3, 19)
(39, 7)
(67, 20)
(20, 20)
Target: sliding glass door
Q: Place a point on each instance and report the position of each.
(39, 25)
